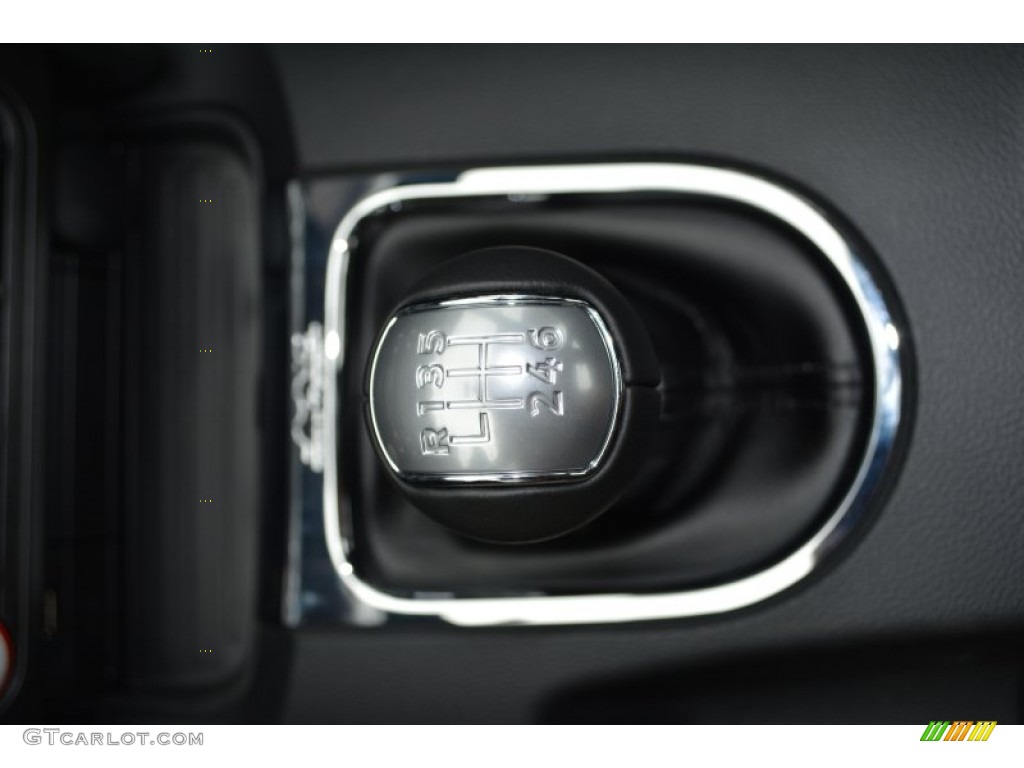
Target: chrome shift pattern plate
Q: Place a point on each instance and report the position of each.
(497, 389)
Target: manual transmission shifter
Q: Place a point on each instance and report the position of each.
(510, 394)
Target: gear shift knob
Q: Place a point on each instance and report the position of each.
(499, 388)
(504, 394)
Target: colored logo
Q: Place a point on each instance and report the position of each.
(959, 730)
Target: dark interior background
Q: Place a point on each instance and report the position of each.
(920, 149)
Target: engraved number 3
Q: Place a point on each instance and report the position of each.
(430, 374)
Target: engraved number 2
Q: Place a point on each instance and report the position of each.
(536, 399)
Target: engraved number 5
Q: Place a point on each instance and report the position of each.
(431, 341)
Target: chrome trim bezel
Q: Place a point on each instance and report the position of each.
(505, 478)
(531, 183)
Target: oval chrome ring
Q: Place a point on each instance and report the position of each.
(790, 208)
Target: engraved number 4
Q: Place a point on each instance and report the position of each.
(547, 370)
